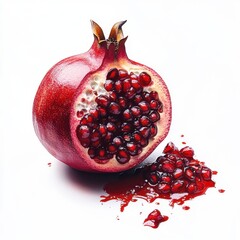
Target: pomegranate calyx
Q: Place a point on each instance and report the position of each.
(116, 33)
(97, 31)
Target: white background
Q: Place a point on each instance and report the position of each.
(193, 45)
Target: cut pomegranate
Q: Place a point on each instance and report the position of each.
(100, 111)
(175, 172)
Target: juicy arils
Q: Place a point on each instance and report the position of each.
(121, 121)
(175, 172)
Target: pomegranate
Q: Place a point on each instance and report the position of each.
(100, 111)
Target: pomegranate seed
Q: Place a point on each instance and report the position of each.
(130, 93)
(153, 178)
(137, 136)
(108, 137)
(144, 79)
(192, 188)
(133, 76)
(95, 136)
(118, 141)
(146, 96)
(122, 155)
(164, 187)
(136, 85)
(177, 186)
(154, 116)
(132, 148)
(178, 172)
(170, 148)
(166, 178)
(102, 130)
(113, 74)
(123, 74)
(137, 99)
(144, 131)
(91, 152)
(122, 102)
(180, 162)
(144, 106)
(96, 144)
(127, 137)
(112, 96)
(154, 219)
(94, 113)
(102, 111)
(126, 127)
(189, 173)
(145, 121)
(102, 100)
(126, 85)
(109, 85)
(114, 108)
(102, 153)
(154, 95)
(187, 152)
(153, 130)
(83, 131)
(111, 127)
(136, 111)
(85, 142)
(127, 115)
(118, 86)
(206, 174)
(154, 104)
(168, 166)
(143, 142)
(112, 148)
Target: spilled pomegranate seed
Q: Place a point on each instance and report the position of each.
(175, 172)
(154, 219)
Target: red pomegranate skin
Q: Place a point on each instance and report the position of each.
(52, 103)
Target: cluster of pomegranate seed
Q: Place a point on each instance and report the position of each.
(174, 172)
(178, 172)
(124, 119)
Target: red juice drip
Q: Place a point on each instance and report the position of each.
(154, 219)
(186, 207)
(221, 190)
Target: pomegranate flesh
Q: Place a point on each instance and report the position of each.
(100, 111)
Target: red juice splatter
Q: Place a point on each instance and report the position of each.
(185, 207)
(221, 190)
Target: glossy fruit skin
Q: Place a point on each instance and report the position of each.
(54, 107)
(54, 97)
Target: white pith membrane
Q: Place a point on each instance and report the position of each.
(93, 86)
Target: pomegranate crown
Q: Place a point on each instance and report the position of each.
(115, 36)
